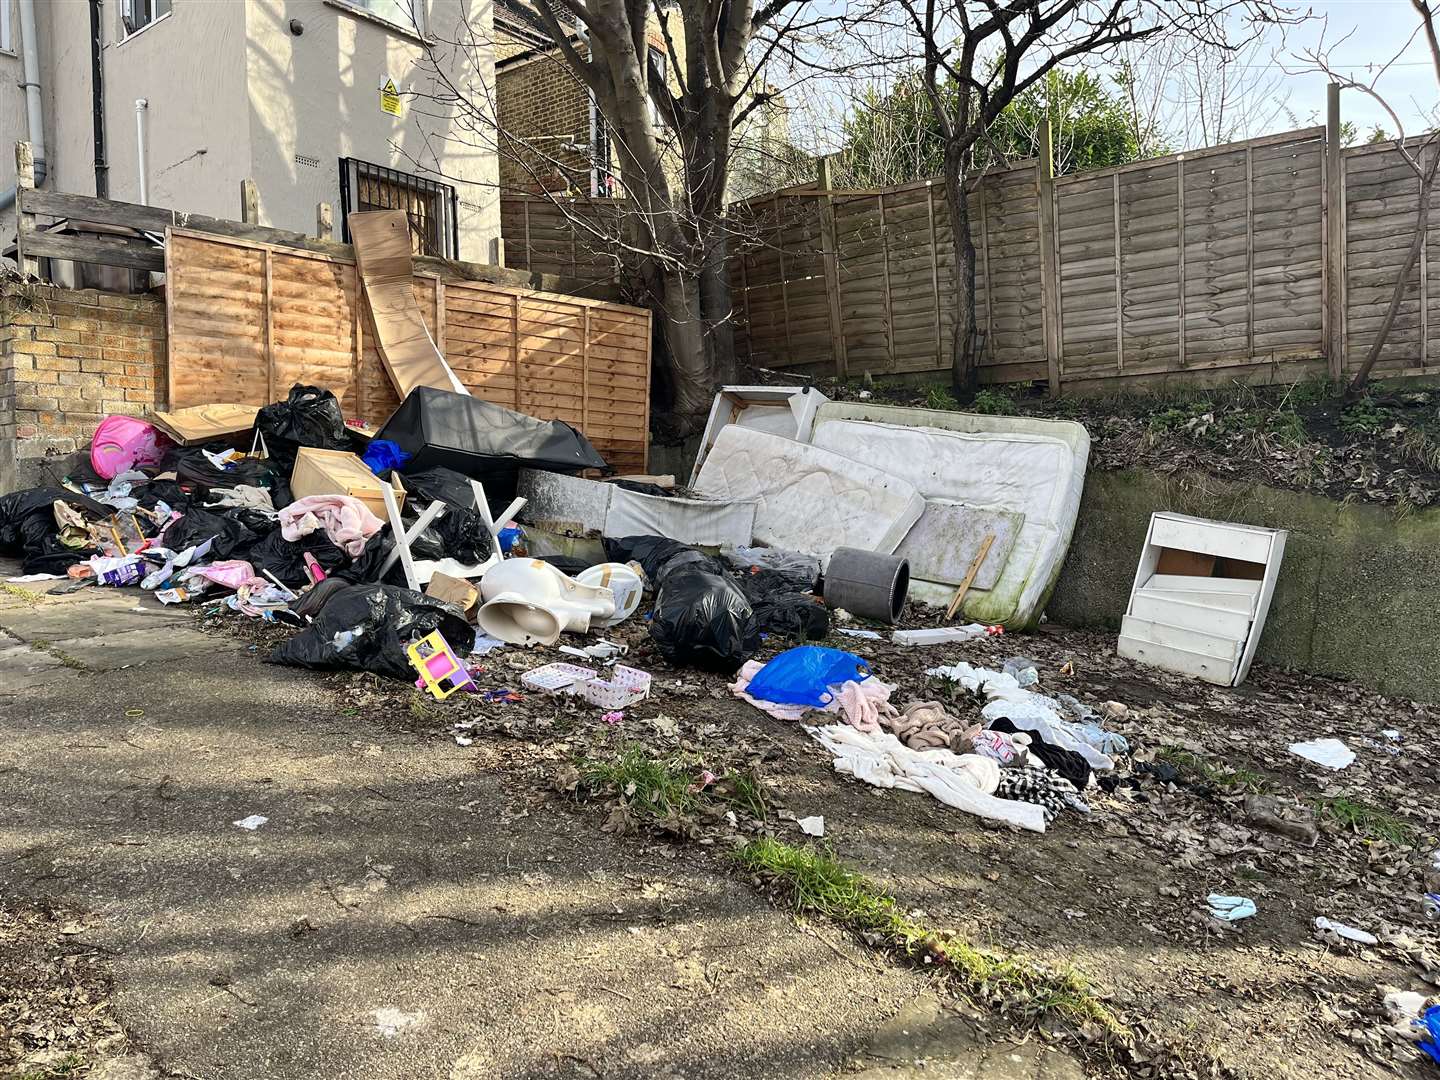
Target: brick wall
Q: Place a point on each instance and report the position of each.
(68, 359)
(541, 105)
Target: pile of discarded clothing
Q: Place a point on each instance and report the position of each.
(1030, 758)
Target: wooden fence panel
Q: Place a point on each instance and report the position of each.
(1208, 265)
(248, 320)
(1381, 199)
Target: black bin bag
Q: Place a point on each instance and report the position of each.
(367, 627)
(309, 416)
(702, 619)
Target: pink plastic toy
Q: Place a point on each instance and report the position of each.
(122, 442)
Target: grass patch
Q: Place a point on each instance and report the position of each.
(1368, 821)
(666, 792)
(817, 883)
(993, 401)
(939, 396)
(1194, 765)
(69, 1065)
(28, 596)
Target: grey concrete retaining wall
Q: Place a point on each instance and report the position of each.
(1359, 588)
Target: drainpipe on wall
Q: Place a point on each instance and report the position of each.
(142, 105)
(34, 109)
(97, 102)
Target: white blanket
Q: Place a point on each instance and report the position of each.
(964, 781)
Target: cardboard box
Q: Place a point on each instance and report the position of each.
(453, 590)
(338, 472)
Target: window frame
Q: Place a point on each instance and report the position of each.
(656, 54)
(7, 43)
(419, 11)
(127, 17)
(447, 200)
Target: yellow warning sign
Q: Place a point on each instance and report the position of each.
(389, 98)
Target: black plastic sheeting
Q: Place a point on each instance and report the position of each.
(309, 416)
(233, 531)
(482, 440)
(366, 628)
(286, 558)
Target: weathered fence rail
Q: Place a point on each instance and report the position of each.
(1266, 260)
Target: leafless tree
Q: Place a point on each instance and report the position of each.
(979, 54)
(686, 108)
(1420, 153)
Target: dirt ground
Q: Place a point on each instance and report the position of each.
(1118, 895)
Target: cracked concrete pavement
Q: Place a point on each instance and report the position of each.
(400, 913)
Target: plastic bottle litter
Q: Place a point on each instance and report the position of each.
(1025, 671)
(1431, 906)
(1432, 873)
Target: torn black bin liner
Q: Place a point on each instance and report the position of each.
(366, 627)
(194, 471)
(701, 618)
(309, 416)
(483, 440)
(233, 532)
(27, 528)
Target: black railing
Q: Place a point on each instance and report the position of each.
(432, 207)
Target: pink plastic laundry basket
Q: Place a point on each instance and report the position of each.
(122, 442)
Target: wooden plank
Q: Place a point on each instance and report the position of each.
(885, 265)
(104, 250)
(935, 275)
(1049, 257)
(826, 210)
(1179, 258)
(1119, 277)
(269, 320)
(1333, 209)
(959, 597)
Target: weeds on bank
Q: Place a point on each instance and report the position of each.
(1194, 765)
(1368, 821)
(816, 883)
(992, 401)
(940, 397)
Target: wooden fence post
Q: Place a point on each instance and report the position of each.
(1334, 211)
(24, 221)
(324, 222)
(249, 202)
(826, 207)
(1049, 270)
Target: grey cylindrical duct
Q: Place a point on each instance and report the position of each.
(867, 583)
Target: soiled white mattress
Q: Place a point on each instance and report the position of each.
(811, 500)
(1018, 464)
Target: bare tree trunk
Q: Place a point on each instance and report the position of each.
(964, 343)
(1402, 283)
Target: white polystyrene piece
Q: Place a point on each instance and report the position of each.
(1016, 464)
(810, 500)
(787, 411)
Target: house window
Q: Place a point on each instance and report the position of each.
(656, 59)
(429, 205)
(408, 15)
(135, 15)
(6, 45)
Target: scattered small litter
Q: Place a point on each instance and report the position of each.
(253, 822)
(1330, 753)
(613, 717)
(868, 635)
(389, 1022)
(24, 578)
(1349, 933)
(1230, 908)
(940, 635)
(812, 826)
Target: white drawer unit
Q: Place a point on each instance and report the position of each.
(1200, 596)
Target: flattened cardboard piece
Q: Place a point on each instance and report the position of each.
(203, 423)
(453, 590)
(382, 253)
